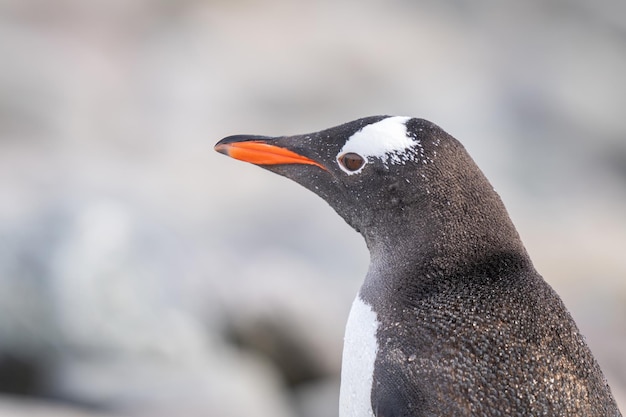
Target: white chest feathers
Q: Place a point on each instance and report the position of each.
(359, 355)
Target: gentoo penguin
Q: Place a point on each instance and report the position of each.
(452, 318)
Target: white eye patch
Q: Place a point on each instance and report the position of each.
(386, 140)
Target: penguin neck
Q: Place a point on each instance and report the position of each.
(437, 237)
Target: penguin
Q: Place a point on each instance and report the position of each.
(452, 318)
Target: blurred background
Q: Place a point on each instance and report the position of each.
(143, 274)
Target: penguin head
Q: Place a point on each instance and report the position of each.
(379, 173)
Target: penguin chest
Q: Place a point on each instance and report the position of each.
(359, 355)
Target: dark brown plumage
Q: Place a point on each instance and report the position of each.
(464, 325)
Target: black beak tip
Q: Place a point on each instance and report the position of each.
(241, 138)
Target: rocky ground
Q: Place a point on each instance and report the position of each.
(143, 274)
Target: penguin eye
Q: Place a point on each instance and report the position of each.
(351, 161)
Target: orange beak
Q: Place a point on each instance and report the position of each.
(262, 153)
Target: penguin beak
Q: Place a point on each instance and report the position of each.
(257, 150)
